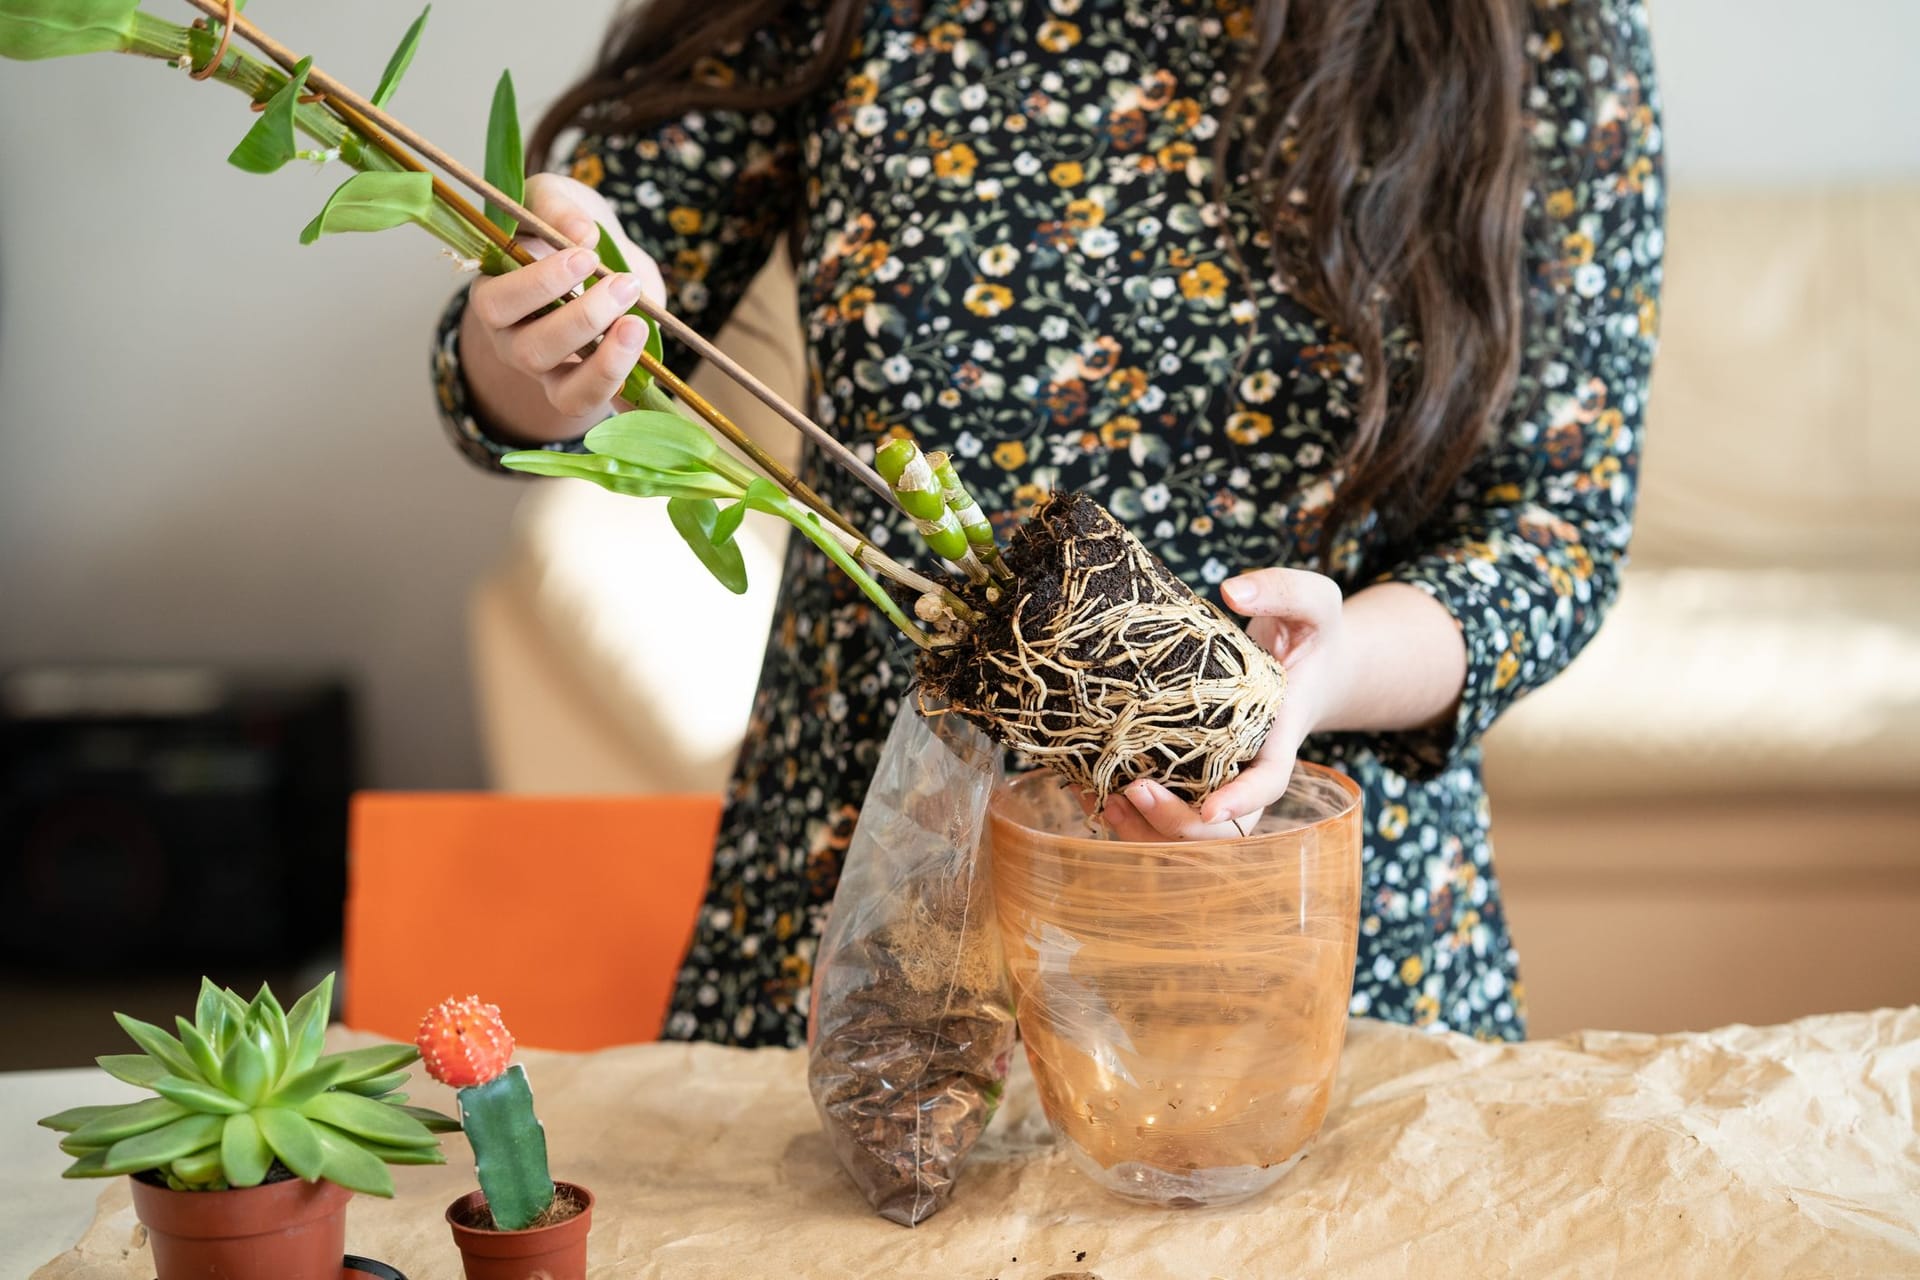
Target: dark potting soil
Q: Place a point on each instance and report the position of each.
(565, 1205)
(1069, 533)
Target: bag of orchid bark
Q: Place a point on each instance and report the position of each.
(911, 1021)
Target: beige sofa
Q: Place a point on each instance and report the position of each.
(1713, 816)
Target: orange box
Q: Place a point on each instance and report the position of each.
(570, 913)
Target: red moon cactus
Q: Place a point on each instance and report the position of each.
(463, 1042)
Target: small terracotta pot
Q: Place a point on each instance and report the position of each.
(289, 1230)
(558, 1252)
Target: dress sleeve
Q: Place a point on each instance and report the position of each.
(708, 196)
(1527, 557)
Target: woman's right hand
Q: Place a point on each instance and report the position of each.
(521, 364)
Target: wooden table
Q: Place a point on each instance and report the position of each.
(1776, 1151)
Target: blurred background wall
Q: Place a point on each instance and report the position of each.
(220, 446)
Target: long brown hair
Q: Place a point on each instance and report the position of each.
(1387, 148)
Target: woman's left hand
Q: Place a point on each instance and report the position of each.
(1298, 617)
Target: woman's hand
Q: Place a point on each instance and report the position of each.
(1297, 617)
(520, 363)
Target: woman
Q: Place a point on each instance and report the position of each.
(1356, 288)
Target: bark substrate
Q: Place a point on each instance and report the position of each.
(1102, 665)
(908, 1069)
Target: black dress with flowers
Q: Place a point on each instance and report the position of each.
(1010, 247)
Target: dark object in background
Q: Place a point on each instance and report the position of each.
(175, 817)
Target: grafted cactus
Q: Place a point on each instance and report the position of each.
(464, 1043)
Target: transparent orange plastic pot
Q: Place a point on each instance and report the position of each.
(1183, 1005)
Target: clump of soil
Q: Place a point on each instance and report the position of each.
(908, 1066)
(1102, 665)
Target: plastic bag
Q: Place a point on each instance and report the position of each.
(911, 1020)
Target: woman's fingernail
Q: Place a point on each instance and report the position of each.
(626, 289)
(1237, 592)
(581, 263)
(1141, 793)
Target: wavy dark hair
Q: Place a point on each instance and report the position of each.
(1386, 140)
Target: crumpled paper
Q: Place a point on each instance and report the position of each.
(1778, 1151)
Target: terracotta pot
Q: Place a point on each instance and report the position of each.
(558, 1252)
(289, 1230)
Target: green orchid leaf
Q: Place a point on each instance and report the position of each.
(652, 438)
(307, 1027)
(365, 1118)
(638, 482)
(729, 523)
(164, 1145)
(506, 157)
(293, 1139)
(33, 29)
(695, 519)
(374, 1060)
(201, 1050)
(393, 1099)
(298, 1088)
(160, 1046)
(402, 58)
(272, 140)
(245, 1071)
(126, 1121)
(202, 1169)
(765, 495)
(433, 1120)
(134, 1068)
(374, 1086)
(195, 1096)
(373, 202)
(74, 1117)
(346, 1162)
(91, 1165)
(609, 253)
(622, 477)
(244, 1151)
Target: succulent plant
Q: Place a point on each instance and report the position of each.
(243, 1086)
(464, 1043)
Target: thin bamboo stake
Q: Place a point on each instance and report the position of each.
(340, 94)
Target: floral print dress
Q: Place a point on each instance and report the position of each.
(1010, 247)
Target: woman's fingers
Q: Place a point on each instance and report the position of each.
(500, 302)
(1281, 593)
(579, 389)
(1271, 634)
(1152, 812)
(1258, 786)
(1264, 779)
(1125, 822)
(543, 344)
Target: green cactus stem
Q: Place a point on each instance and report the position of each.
(973, 521)
(903, 466)
(509, 1148)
